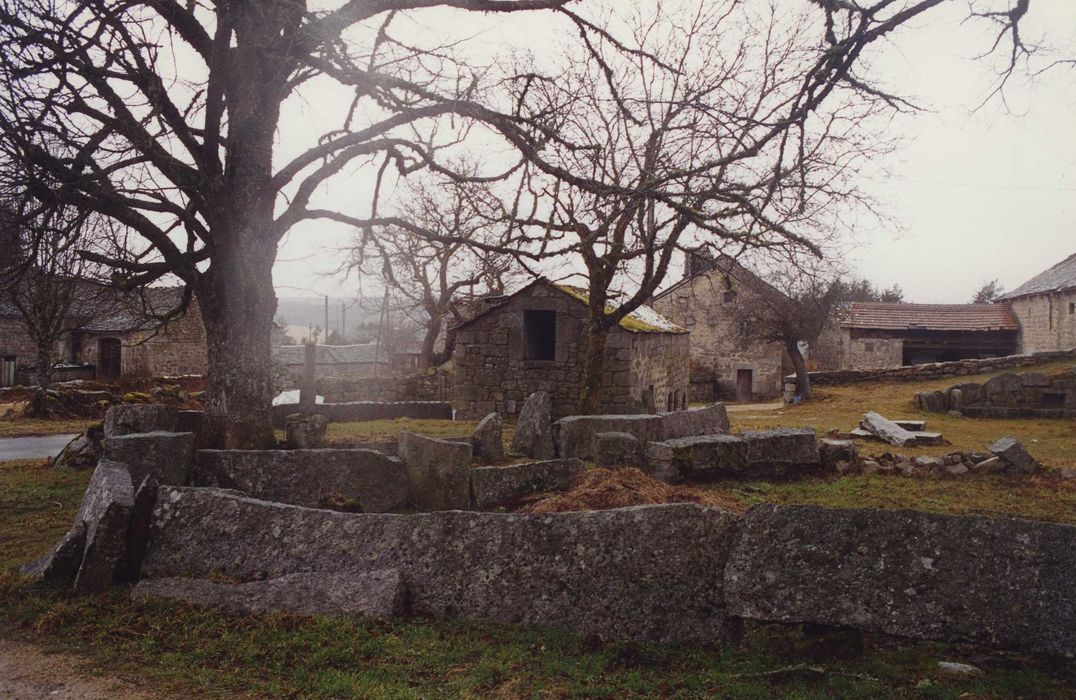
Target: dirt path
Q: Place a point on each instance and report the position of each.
(28, 674)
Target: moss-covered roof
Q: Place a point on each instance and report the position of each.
(641, 320)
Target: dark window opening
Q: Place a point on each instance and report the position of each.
(1072, 308)
(1051, 400)
(728, 297)
(539, 335)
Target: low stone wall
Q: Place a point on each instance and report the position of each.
(574, 435)
(370, 410)
(760, 454)
(996, 581)
(431, 385)
(365, 480)
(1031, 395)
(611, 573)
(933, 370)
(614, 574)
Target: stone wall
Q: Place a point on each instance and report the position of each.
(1001, 582)
(933, 370)
(491, 373)
(1031, 395)
(870, 353)
(431, 385)
(354, 411)
(1047, 321)
(707, 305)
(177, 349)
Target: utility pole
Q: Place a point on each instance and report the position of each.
(326, 316)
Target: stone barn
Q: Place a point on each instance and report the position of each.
(875, 335)
(533, 341)
(709, 302)
(1046, 308)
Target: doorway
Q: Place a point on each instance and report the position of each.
(744, 381)
(108, 358)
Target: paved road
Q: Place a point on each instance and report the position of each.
(33, 447)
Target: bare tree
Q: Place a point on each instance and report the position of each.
(162, 115)
(43, 277)
(437, 276)
(988, 292)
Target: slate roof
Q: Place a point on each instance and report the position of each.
(934, 317)
(334, 354)
(1058, 278)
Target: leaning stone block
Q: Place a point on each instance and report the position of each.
(534, 428)
(60, 566)
(375, 482)
(626, 574)
(575, 434)
(830, 452)
(305, 431)
(139, 418)
(886, 430)
(1010, 449)
(617, 450)
(488, 440)
(166, 456)
(996, 581)
(377, 594)
(495, 486)
(707, 420)
(438, 472)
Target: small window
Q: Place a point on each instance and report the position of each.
(539, 335)
(1072, 308)
(728, 297)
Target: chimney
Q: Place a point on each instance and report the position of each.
(697, 261)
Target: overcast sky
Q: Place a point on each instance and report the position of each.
(974, 194)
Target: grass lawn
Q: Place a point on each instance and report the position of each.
(841, 408)
(182, 651)
(39, 426)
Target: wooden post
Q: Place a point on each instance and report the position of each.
(308, 389)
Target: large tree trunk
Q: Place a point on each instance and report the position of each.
(803, 380)
(590, 396)
(236, 291)
(238, 304)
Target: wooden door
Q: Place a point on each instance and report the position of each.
(109, 352)
(744, 378)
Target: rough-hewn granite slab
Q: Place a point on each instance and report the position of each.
(166, 456)
(494, 486)
(995, 581)
(782, 451)
(645, 573)
(574, 435)
(139, 418)
(302, 477)
(705, 420)
(379, 594)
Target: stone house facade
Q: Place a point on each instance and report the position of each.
(113, 338)
(533, 340)
(1045, 306)
(708, 302)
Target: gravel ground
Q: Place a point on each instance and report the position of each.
(28, 674)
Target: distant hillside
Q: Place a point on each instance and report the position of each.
(301, 313)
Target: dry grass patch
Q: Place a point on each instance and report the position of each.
(26, 427)
(840, 408)
(601, 489)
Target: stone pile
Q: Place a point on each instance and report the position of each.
(902, 433)
(1006, 456)
(1030, 395)
(574, 435)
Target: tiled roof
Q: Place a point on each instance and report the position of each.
(935, 317)
(1059, 277)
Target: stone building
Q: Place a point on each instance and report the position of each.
(533, 341)
(1045, 306)
(875, 335)
(708, 302)
(112, 337)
